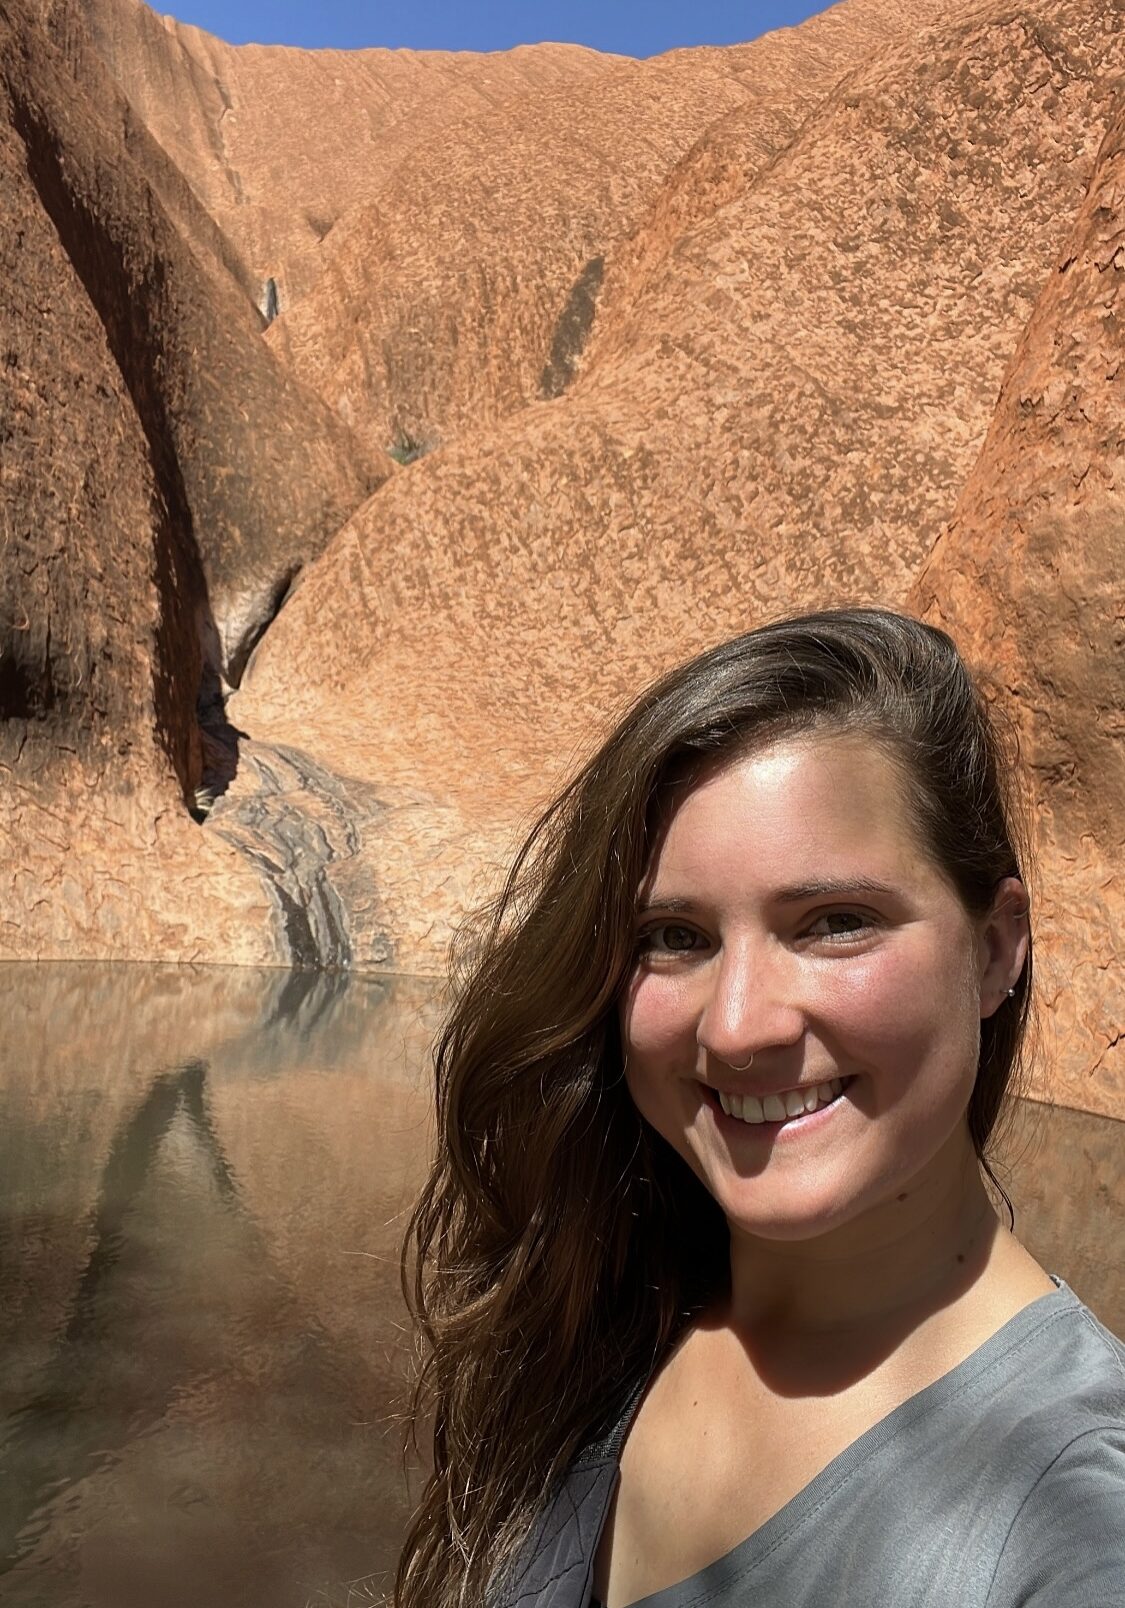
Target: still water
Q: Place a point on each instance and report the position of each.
(203, 1181)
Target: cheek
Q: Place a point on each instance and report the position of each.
(899, 1011)
(658, 1025)
(877, 996)
(659, 1015)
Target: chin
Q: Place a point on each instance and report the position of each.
(786, 1229)
(791, 1220)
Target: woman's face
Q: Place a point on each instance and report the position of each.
(792, 915)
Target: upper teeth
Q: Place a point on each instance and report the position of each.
(777, 1107)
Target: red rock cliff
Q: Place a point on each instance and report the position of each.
(665, 348)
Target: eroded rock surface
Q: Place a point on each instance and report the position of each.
(255, 470)
(677, 346)
(1028, 576)
(302, 827)
(448, 295)
(281, 144)
(100, 655)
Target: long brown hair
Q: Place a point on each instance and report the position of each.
(558, 1243)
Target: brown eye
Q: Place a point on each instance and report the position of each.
(669, 939)
(841, 924)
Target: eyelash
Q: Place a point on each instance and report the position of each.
(644, 944)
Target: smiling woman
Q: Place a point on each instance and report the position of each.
(867, 968)
(717, 1304)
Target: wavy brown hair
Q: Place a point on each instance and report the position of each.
(558, 1243)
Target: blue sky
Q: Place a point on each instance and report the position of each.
(630, 27)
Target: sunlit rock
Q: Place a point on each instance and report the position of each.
(659, 350)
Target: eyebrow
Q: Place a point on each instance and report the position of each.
(796, 893)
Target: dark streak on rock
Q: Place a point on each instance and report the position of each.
(298, 828)
(128, 300)
(572, 330)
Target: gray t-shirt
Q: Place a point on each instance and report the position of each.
(1001, 1485)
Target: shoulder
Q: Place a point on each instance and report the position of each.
(1066, 1540)
(1056, 1337)
(1066, 1544)
(1069, 1368)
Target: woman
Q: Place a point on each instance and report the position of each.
(717, 1306)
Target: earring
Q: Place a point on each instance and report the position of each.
(1011, 993)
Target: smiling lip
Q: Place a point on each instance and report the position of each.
(789, 1109)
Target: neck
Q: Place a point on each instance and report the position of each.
(875, 1278)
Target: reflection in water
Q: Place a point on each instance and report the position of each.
(203, 1351)
(203, 1179)
(55, 1437)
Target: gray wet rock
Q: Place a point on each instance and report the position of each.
(301, 826)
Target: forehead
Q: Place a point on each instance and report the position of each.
(798, 805)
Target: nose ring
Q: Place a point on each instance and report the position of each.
(745, 1068)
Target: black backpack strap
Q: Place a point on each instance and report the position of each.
(608, 1446)
(555, 1566)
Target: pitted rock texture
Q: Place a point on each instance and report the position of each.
(254, 469)
(446, 295)
(281, 144)
(99, 653)
(666, 348)
(1028, 576)
(465, 287)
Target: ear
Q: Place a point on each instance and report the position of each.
(1002, 944)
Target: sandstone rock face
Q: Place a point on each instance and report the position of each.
(466, 287)
(98, 741)
(261, 471)
(146, 545)
(678, 345)
(1028, 575)
(281, 144)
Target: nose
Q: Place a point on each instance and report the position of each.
(752, 1004)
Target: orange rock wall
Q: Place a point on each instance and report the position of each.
(1028, 576)
(675, 346)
